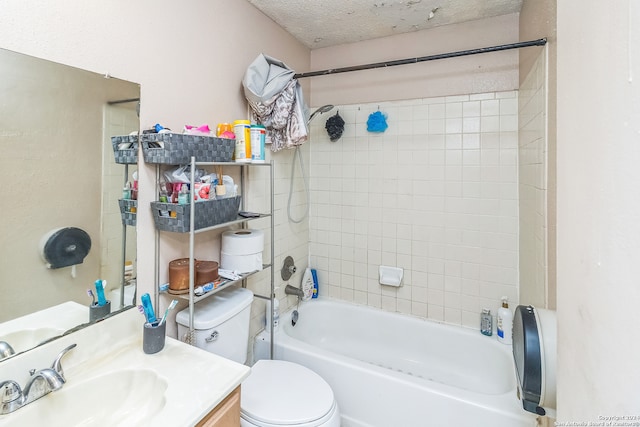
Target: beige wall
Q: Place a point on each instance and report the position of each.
(538, 20)
(598, 226)
(465, 75)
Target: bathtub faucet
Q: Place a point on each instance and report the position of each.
(290, 290)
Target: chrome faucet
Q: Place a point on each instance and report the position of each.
(290, 290)
(6, 350)
(41, 383)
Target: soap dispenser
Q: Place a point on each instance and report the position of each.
(505, 322)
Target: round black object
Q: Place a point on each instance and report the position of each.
(527, 357)
(334, 127)
(66, 247)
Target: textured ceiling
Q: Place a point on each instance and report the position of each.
(323, 23)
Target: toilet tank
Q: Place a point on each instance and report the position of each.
(221, 323)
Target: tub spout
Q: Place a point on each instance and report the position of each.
(290, 290)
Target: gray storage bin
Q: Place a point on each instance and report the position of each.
(128, 155)
(177, 149)
(126, 205)
(208, 213)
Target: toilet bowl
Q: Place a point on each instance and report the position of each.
(281, 393)
(277, 392)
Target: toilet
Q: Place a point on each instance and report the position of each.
(276, 393)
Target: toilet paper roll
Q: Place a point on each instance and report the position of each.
(242, 242)
(241, 263)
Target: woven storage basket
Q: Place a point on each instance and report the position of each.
(128, 217)
(177, 149)
(128, 155)
(208, 213)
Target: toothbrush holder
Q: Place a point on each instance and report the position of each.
(153, 337)
(97, 312)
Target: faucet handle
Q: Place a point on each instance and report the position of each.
(10, 391)
(6, 350)
(57, 366)
(12, 397)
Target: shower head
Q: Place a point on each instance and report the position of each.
(323, 109)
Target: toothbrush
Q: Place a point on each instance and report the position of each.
(93, 297)
(166, 312)
(148, 308)
(100, 292)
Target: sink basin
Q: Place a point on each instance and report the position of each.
(25, 339)
(32, 329)
(121, 398)
(112, 382)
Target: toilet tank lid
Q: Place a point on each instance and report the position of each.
(217, 309)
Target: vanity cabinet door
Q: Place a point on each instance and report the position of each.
(226, 414)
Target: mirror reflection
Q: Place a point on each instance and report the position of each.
(61, 222)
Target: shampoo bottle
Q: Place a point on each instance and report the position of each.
(314, 274)
(505, 322)
(307, 285)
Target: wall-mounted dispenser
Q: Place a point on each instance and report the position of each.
(65, 247)
(534, 354)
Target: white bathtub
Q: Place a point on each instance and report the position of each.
(390, 370)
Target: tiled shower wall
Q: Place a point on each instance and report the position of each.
(435, 194)
(533, 185)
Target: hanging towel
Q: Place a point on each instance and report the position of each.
(276, 102)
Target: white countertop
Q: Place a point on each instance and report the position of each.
(195, 380)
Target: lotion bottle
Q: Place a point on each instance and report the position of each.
(183, 196)
(505, 322)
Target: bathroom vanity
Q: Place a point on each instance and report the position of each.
(226, 414)
(111, 381)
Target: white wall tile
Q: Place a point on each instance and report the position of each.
(437, 194)
(532, 186)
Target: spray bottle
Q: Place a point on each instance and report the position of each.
(276, 314)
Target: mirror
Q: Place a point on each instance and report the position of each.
(58, 171)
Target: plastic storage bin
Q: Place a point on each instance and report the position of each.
(177, 149)
(208, 213)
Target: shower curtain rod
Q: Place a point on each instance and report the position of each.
(539, 42)
(123, 101)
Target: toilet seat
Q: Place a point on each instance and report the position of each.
(281, 393)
